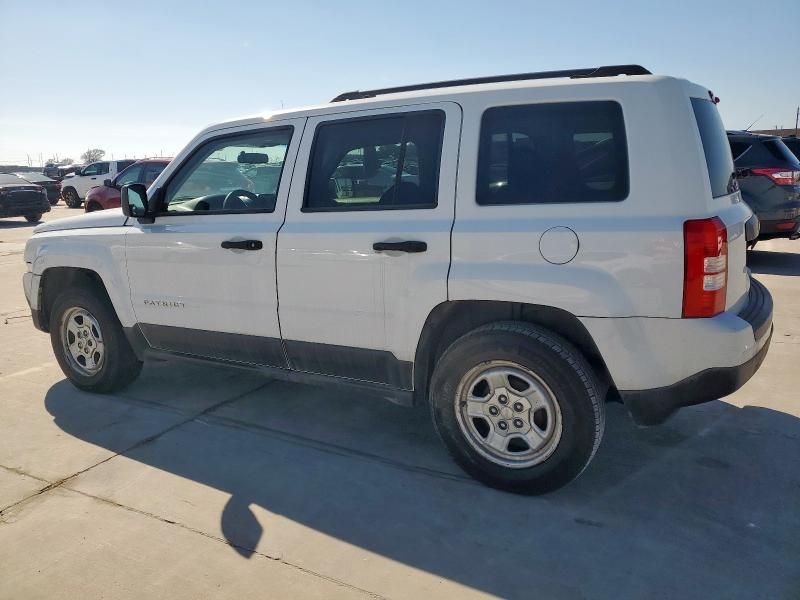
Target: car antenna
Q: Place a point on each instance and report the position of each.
(754, 122)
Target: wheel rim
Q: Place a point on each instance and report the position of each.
(508, 414)
(82, 340)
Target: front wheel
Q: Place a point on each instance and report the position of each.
(518, 407)
(34, 218)
(89, 343)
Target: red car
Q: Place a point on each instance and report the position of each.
(108, 195)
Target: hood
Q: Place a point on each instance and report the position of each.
(100, 218)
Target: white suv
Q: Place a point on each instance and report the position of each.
(75, 188)
(512, 251)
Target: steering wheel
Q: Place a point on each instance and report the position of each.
(233, 201)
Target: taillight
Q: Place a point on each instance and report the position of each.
(705, 276)
(779, 176)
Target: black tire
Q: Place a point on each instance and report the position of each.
(120, 366)
(71, 198)
(54, 201)
(34, 218)
(554, 361)
(93, 206)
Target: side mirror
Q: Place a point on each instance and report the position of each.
(107, 182)
(134, 200)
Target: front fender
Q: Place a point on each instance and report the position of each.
(101, 250)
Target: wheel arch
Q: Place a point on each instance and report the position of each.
(450, 320)
(55, 279)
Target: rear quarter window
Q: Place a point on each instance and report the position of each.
(779, 151)
(552, 153)
(719, 160)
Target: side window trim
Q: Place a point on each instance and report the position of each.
(337, 119)
(162, 190)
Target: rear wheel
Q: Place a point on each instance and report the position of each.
(518, 407)
(89, 343)
(93, 206)
(34, 218)
(71, 198)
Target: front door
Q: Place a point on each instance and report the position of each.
(202, 276)
(364, 253)
(91, 176)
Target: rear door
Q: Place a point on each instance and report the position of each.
(364, 253)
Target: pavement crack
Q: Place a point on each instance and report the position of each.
(224, 541)
(139, 444)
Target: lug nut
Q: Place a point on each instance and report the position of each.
(518, 423)
(80, 344)
(503, 425)
(494, 411)
(518, 406)
(503, 399)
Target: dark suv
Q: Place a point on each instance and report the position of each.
(769, 177)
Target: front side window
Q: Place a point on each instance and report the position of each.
(92, 169)
(553, 153)
(130, 175)
(237, 173)
(152, 171)
(386, 162)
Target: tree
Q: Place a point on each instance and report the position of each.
(93, 155)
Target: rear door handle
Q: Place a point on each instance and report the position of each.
(409, 246)
(242, 245)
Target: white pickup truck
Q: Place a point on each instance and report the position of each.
(74, 187)
(512, 251)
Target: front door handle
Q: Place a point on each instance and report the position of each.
(242, 245)
(409, 246)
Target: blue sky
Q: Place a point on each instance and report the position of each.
(141, 78)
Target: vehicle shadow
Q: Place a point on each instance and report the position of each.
(703, 506)
(773, 263)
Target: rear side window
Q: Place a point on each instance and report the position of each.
(552, 153)
(794, 145)
(779, 150)
(719, 159)
(738, 148)
(376, 163)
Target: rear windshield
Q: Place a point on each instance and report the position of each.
(715, 147)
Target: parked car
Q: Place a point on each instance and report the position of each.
(58, 172)
(538, 264)
(769, 176)
(793, 143)
(75, 188)
(51, 186)
(19, 198)
(107, 195)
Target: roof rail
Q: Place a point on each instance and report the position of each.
(606, 71)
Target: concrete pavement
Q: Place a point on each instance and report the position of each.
(201, 482)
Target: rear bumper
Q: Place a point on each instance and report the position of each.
(651, 407)
(781, 228)
(8, 209)
(654, 406)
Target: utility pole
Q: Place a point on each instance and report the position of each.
(796, 119)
